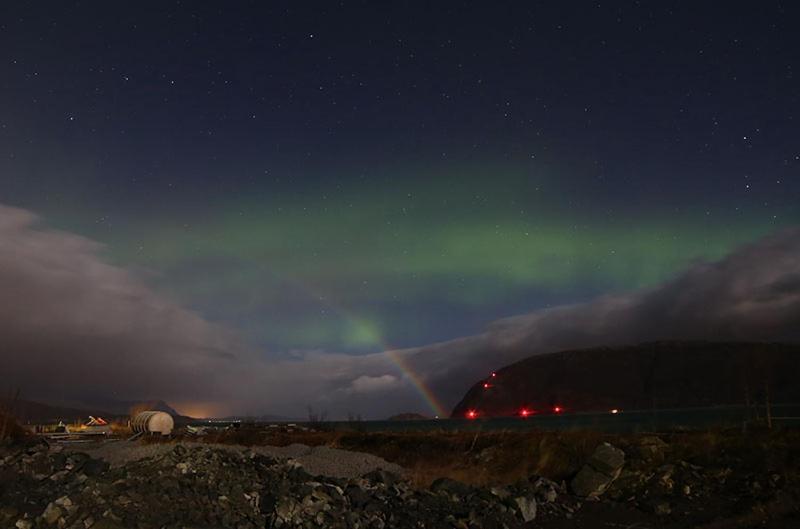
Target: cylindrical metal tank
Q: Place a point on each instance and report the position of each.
(153, 422)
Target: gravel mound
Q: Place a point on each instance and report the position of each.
(319, 460)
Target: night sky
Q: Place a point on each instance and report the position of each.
(346, 178)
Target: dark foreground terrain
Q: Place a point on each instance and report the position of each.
(538, 479)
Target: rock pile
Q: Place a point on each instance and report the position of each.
(209, 487)
(664, 485)
(204, 486)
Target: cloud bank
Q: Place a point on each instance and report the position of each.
(73, 326)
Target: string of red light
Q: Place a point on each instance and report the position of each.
(523, 412)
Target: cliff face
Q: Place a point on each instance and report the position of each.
(659, 374)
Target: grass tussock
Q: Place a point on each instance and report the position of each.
(9, 428)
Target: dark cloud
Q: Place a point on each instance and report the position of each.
(73, 326)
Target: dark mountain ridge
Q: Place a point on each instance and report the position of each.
(660, 375)
(27, 411)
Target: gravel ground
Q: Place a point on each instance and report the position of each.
(318, 460)
(211, 486)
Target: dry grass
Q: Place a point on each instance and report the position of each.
(490, 458)
(754, 451)
(480, 459)
(121, 429)
(9, 429)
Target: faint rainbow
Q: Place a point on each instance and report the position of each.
(392, 354)
(418, 382)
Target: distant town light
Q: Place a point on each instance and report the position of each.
(494, 374)
(614, 411)
(557, 409)
(525, 412)
(471, 414)
(486, 385)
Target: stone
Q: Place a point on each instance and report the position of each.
(450, 486)
(58, 476)
(546, 490)
(94, 467)
(64, 501)
(662, 508)
(527, 507)
(500, 492)
(286, 509)
(652, 448)
(358, 496)
(382, 476)
(51, 513)
(607, 459)
(23, 524)
(107, 523)
(603, 467)
(589, 482)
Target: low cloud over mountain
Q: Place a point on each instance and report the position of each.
(753, 294)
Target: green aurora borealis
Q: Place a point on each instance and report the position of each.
(345, 264)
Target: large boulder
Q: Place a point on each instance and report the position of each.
(652, 449)
(603, 467)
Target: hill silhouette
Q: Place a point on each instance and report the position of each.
(656, 375)
(27, 411)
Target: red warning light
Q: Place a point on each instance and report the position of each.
(525, 412)
(557, 409)
(471, 414)
(494, 375)
(486, 385)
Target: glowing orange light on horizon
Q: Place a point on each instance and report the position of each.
(200, 409)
